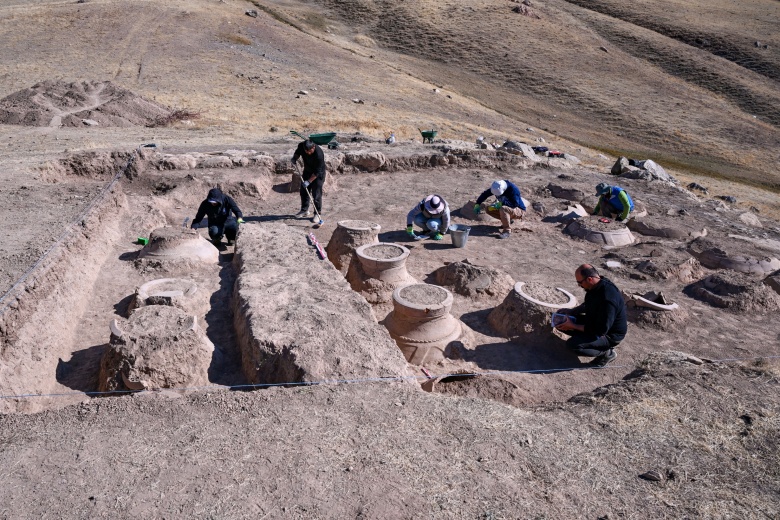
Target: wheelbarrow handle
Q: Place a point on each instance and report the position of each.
(299, 135)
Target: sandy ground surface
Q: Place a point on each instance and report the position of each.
(708, 433)
(511, 445)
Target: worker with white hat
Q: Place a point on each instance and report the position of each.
(508, 206)
(432, 214)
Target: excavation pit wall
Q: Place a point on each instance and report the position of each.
(39, 318)
(298, 320)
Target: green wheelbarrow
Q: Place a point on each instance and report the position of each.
(428, 135)
(324, 138)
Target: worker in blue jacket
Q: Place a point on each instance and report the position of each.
(614, 202)
(508, 206)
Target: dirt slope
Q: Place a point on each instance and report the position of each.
(607, 74)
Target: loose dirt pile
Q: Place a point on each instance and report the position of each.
(78, 104)
(736, 291)
(474, 281)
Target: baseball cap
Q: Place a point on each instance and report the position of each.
(602, 188)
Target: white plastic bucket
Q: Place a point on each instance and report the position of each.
(459, 234)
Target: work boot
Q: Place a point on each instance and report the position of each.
(505, 233)
(315, 219)
(604, 359)
(231, 242)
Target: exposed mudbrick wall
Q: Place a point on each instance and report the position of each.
(296, 317)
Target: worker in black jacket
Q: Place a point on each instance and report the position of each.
(598, 325)
(218, 208)
(313, 176)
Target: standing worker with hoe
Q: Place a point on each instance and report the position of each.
(312, 179)
(218, 208)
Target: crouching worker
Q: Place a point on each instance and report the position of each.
(614, 202)
(508, 206)
(218, 208)
(432, 214)
(599, 324)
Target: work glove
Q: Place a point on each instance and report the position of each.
(496, 205)
(306, 184)
(240, 220)
(477, 208)
(410, 231)
(438, 236)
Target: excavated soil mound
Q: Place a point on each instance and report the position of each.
(773, 281)
(652, 260)
(297, 323)
(676, 226)
(661, 320)
(93, 103)
(558, 211)
(484, 387)
(474, 281)
(467, 212)
(735, 291)
(729, 253)
(158, 347)
(566, 193)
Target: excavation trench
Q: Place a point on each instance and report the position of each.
(76, 309)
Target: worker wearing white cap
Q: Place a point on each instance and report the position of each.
(508, 206)
(432, 214)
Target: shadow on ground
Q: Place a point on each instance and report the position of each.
(539, 356)
(81, 371)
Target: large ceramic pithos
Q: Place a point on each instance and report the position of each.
(348, 236)
(157, 347)
(380, 269)
(179, 243)
(421, 323)
(175, 292)
(611, 234)
(524, 312)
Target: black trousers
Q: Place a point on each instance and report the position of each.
(228, 228)
(315, 188)
(588, 345)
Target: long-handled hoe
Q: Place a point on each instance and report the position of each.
(311, 199)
